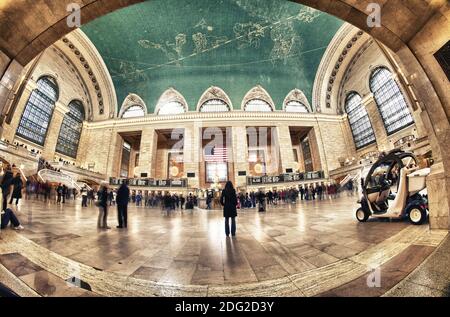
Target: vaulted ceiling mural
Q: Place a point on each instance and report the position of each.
(191, 45)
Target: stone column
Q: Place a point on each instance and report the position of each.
(240, 154)
(317, 151)
(10, 72)
(191, 153)
(51, 139)
(438, 197)
(285, 146)
(83, 147)
(147, 156)
(113, 159)
(377, 123)
(9, 130)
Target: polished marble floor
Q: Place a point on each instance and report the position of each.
(304, 249)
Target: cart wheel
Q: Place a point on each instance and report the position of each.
(417, 215)
(361, 215)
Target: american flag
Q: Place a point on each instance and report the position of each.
(216, 154)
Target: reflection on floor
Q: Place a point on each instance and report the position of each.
(314, 248)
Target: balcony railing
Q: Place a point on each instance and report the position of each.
(150, 182)
(285, 178)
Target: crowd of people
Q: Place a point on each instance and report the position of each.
(12, 187)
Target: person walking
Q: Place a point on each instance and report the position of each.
(110, 197)
(59, 191)
(64, 193)
(103, 208)
(208, 201)
(17, 189)
(84, 196)
(302, 192)
(122, 199)
(228, 200)
(261, 201)
(182, 201)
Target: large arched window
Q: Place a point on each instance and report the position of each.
(38, 111)
(133, 112)
(257, 105)
(296, 106)
(70, 132)
(214, 105)
(172, 107)
(359, 121)
(390, 100)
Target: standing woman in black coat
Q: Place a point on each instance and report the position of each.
(17, 191)
(228, 200)
(5, 184)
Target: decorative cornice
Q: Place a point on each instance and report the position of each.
(348, 70)
(81, 81)
(89, 71)
(225, 118)
(327, 72)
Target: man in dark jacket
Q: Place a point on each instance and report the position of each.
(122, 198)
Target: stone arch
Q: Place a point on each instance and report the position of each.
(171, 94)
(214, 92)
(130, 101)
(258, 92)
(297, 95)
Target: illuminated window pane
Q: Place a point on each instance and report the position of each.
(359, 121)
(257, 105)
(172, 107)
(216, 172)
(133, 112)
(390, 101)
(38, 111)
(214, 105)
(70, 132)
(296, 106)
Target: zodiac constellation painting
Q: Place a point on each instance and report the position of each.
(248, 34)
(281, 32)
(173, 51)
(285, 40)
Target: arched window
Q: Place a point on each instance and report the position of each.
(359, 120)
(70, 132)
(172, 107)
(257, 105)
(296, 106)
(214, 105)
(38, 111)
(390, 100)
(133, 112)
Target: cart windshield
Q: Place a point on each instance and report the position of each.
(379, 176)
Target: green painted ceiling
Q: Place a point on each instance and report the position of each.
(194, 44)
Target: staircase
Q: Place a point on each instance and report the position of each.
(51, 176)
